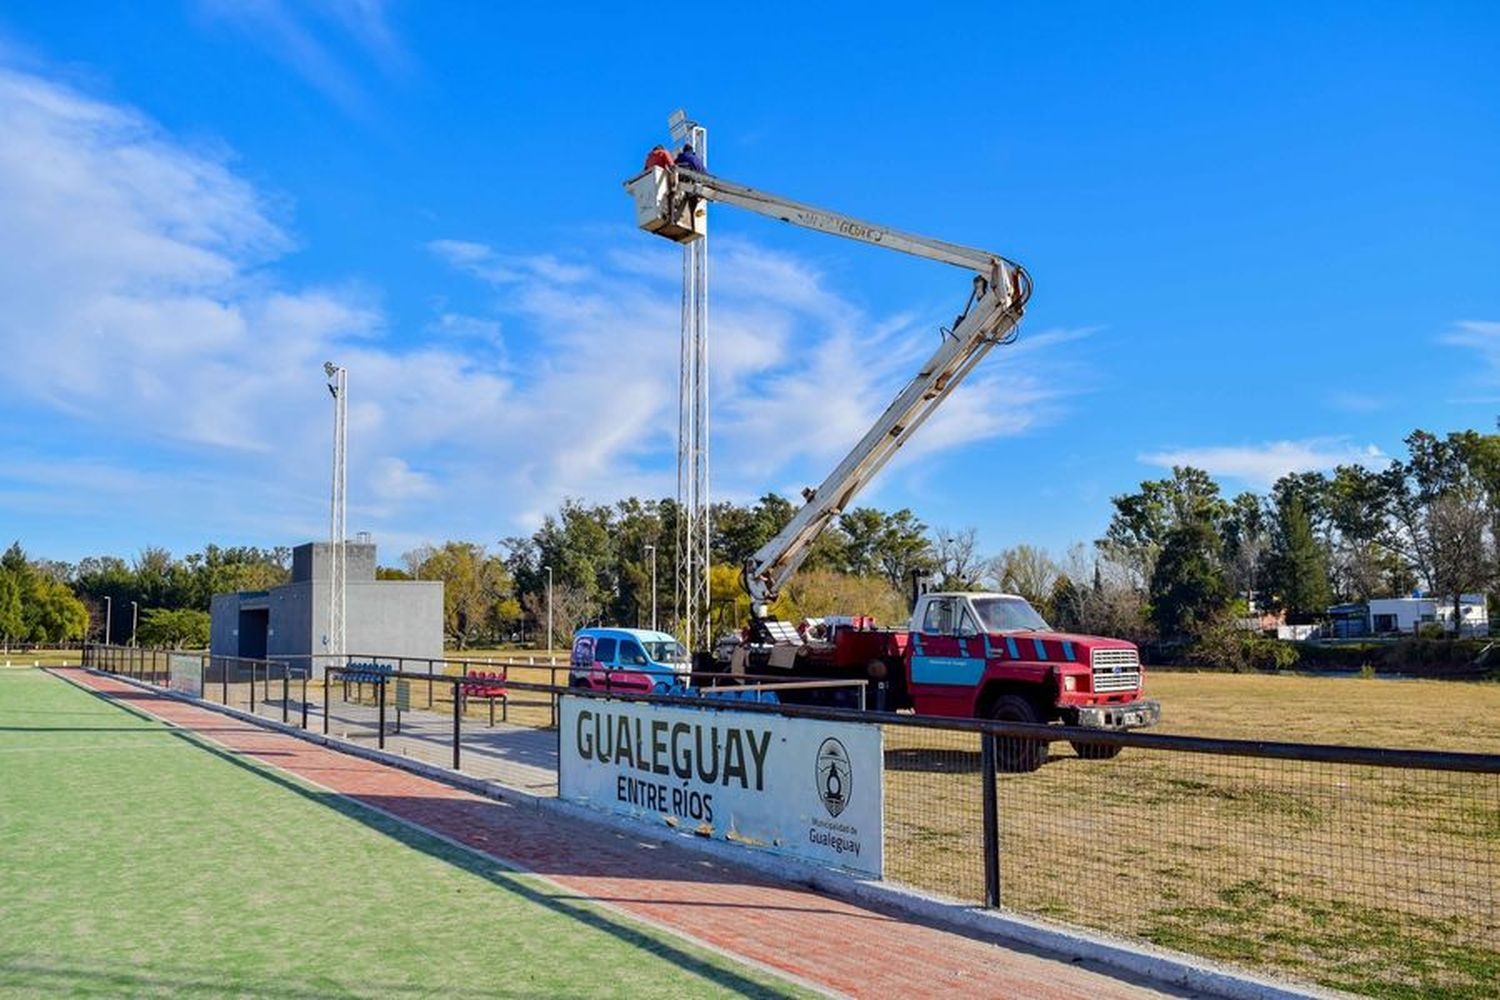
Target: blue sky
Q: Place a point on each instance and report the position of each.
(1262, 240)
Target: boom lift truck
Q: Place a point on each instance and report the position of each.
(964, 654)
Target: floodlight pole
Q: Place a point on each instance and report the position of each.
(134, 618)
(338, 385)
(692, 592)
(108, 614)
(549, 609)
(652, 550)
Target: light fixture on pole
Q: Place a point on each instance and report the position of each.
(108, 614)
(338, 386)
(135, 610)
(549, 609)
(652, 549)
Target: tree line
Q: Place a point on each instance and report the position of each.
(1178, 561)
(44, 600)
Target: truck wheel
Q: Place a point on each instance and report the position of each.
(1015, 756)
(1096, 751)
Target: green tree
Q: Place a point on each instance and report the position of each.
(12, 621)
(173, 628)
(51, 613)
(1188, 589)
(476, 586)
(1300, 572)
(1142, 521)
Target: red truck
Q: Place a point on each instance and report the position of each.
(974, 655)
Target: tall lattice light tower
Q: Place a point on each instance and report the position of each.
(338, 385)
(694, 521)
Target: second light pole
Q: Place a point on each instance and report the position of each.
(549, 610)
(652, 549)
(135, 614)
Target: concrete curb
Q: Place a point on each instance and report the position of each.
(1134, 959)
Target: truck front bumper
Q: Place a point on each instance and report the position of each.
(1132, 715)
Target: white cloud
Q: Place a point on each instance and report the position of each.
(1357, 402)
(145, 316)
(1262, 464)
(307, 37)
(1480, 336)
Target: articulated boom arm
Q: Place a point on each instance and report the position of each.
(670, 204)
(988, 321)
(691, 184)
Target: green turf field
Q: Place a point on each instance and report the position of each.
(136, 861)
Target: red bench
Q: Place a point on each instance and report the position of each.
(491, 687)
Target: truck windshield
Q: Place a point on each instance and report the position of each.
(1001, 614)
(667, 652)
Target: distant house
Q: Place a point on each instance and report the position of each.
(1348, 621)
(1406, 615)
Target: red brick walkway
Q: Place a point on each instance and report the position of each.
(831, 944)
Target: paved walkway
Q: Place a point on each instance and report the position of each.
(836, 946)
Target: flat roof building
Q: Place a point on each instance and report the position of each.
(290, 622)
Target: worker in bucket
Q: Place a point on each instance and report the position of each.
(659, 157)
(688, 159)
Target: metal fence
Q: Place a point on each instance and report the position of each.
(1364, 869)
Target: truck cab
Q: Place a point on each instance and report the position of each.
(629, 660)
(990, 655)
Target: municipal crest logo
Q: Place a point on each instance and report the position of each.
(835, 776)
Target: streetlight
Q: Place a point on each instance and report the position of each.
(549, 609)
(652, 550)
(108, 613)
(134, 617)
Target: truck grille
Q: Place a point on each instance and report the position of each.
(1116, 670)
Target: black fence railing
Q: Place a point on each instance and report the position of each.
(1362, 868)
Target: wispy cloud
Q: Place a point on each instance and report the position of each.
(1483, 338)
(1261, 465)
(323, 41)
(1357, 402)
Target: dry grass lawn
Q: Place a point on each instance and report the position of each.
(1373, 880)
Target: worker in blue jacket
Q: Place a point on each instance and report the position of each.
(688, 159)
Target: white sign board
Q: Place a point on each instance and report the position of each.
(186, 674)
(794, 786)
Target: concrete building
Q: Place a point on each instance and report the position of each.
(382, 617)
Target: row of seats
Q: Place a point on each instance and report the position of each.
(367, 673)
(485, 684)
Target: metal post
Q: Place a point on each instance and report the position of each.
(457, 684)
(286, 692)
(429, 685)
(224, 678)
(380, 687)
(652, 548)
(991, 821)
(325, 702)
(252, 687)
(549, 612)
(304, 697)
